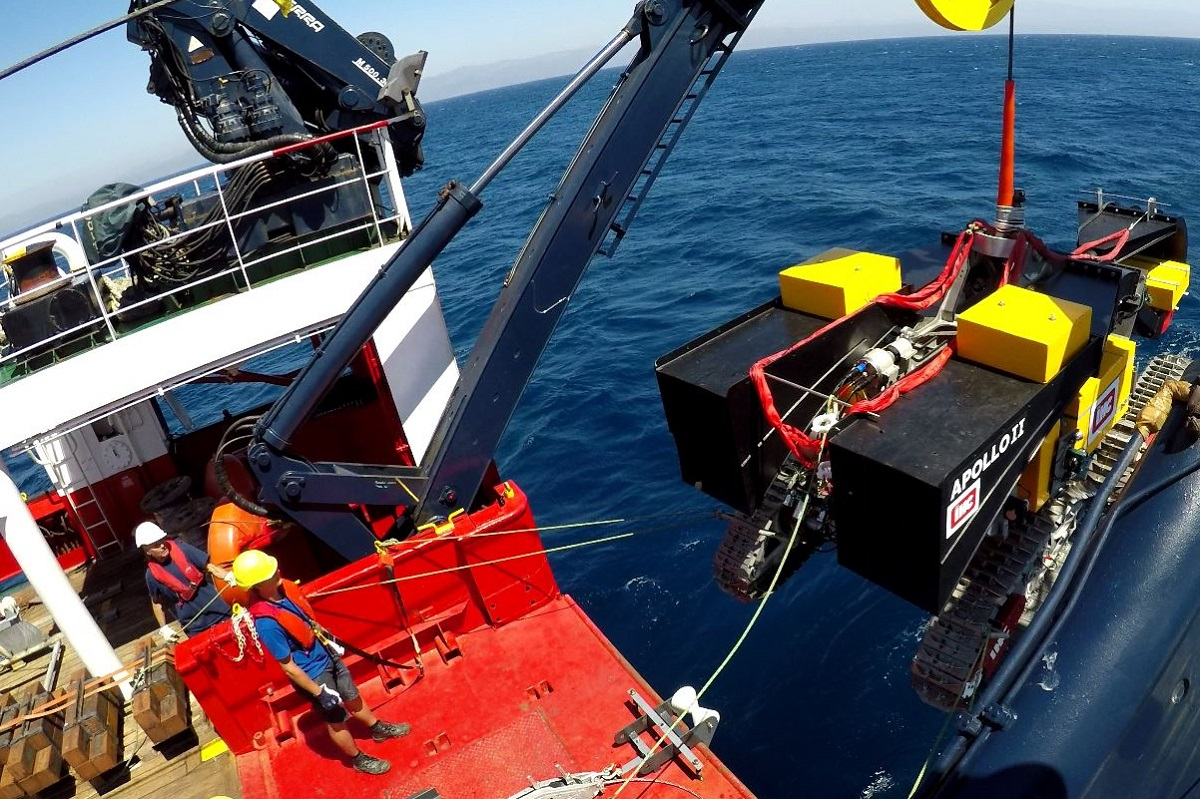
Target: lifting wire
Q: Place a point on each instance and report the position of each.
(687, 516)
(800, 514)
(82, 37)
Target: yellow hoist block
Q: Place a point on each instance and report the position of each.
(1166, 284)
(1034, 485)
(1022, 332)
(838, 282)
(1103, 399)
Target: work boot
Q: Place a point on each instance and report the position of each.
(371, 765)
(382, 730)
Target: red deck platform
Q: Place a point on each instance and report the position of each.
(545, 692)
(517, 683)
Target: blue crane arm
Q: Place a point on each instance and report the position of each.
(683, 45)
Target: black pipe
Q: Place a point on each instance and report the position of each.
(454, 209)
(80, 38)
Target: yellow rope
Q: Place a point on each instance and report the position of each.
(800, 514)
(464, 567)
(451, 569)
(416, 542)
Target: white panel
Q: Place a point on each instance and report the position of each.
(146, 435)
(414, 346)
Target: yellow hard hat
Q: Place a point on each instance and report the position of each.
(253, 567)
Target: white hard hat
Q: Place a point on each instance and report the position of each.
(147, 533)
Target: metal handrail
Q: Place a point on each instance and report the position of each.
(117, 267)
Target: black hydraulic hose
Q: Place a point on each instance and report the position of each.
(228, 152)
(1131, 501)
(222, 476)
(83, 37)
(1019, 662)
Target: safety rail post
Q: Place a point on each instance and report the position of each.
(112, 331)
(391, 171)
(362, 167)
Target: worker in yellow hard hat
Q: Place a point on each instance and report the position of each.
(287, 628)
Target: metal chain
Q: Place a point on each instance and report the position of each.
(242, 618)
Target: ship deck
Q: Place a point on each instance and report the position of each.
(544, 693)
(194, 767)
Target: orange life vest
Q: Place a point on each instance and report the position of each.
(299, 628)
(184, 591)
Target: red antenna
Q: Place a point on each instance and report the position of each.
(1004, 194)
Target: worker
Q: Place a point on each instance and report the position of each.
(286, 626)
(177, 578)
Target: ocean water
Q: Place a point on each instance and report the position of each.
(876, 145)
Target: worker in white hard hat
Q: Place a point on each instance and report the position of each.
(177, 578)
(287, 627)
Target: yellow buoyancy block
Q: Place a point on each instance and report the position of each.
(1023, 333)
(965, 15)
(1166, 284)
(838, 282)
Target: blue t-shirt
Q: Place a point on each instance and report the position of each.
(189, 613)
(314, 662)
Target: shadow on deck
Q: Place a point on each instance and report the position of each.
(114, 591)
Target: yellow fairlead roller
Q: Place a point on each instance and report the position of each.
(966, 15)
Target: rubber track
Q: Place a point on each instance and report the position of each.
(950, 655)
(750, 551)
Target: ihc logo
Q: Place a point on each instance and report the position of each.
(962, 509)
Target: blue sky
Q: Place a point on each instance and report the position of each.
(83, 118)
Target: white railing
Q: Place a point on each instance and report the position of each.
(102, 279)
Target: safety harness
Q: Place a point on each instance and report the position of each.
(300, 628)
(192, 577)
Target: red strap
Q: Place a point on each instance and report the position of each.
(1119, 238)
(184, 590)
(805, 447)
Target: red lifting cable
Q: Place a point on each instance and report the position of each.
(805, 447)
(1005, 190)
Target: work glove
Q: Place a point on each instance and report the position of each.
(168, 634)
(334, 647)
(230, 579)
(328, 698)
